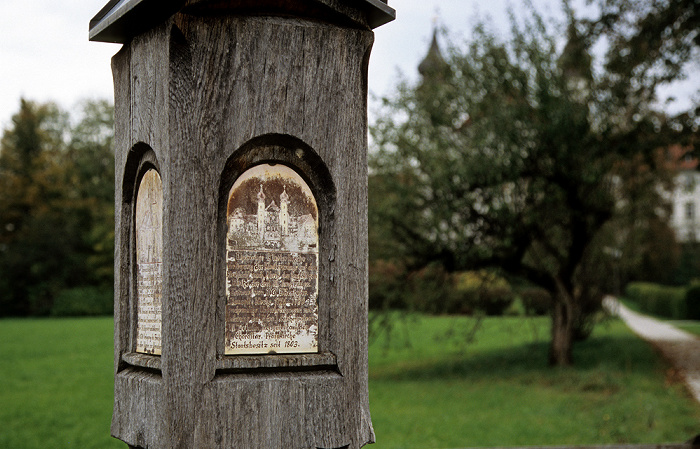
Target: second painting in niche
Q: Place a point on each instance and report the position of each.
(271, 264)
(149, 263)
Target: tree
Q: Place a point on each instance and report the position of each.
(515, 155)
(55, 207)
(91, 162)
(28, 174)
(650, 44)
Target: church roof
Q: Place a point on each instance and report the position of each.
(433, 62)
(681, 158)
(575, 59)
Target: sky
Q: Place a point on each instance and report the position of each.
(45, 54)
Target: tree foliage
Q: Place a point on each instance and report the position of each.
(518, 156)
(56, 205)
(649, 41)
(650, 44)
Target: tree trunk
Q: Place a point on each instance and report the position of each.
(563, 319)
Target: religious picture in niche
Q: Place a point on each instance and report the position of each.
(271, 263)
(149, 263)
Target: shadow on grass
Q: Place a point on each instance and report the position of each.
(610, 355)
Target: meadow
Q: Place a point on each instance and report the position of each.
(689, 326)
(428, 389)
(56, 383)
(434, 384)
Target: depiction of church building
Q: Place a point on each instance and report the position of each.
(272, 226)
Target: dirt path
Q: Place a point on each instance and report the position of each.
(680, 347)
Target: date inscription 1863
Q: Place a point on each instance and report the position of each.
(271, 263)
(149, 263)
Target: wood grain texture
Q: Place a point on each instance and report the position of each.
(209, 97)
(138, 393)
(339, 12)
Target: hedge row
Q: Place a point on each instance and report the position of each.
(435, 291)
(84, 301)
(660, 300)
(692, 302)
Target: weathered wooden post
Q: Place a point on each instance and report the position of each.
(241, 228)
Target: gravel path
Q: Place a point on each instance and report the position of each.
(680, 347)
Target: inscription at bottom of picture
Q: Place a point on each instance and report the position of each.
(271, 264)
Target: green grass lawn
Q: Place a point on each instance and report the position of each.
(689, 326)
(56, 387)
(499, 391)
(56, 383)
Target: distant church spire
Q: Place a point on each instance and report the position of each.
(575, 63)
(433, 65)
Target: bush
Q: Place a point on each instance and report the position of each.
(659, 300)
(387, 281)
(482, 291)
(692, 303)
(495, 300)
(536, 300)
(84, 301)
(431, 290)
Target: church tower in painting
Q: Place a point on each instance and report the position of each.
(284, 212)
(261, 213)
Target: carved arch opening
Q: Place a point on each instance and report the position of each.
(292, 215)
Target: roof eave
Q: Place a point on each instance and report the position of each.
(121, 20)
